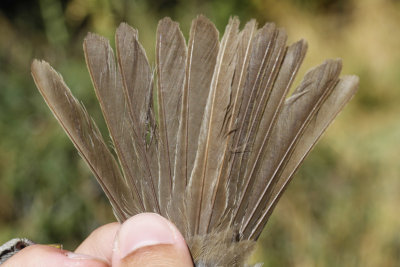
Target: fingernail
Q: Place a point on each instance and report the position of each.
(76, 256)
(142, 230)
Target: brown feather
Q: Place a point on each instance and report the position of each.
(220, 202)
(293, 119)
(261, 49)
(213, 132)
(201, 59)
(137, 86)
(170, 59)
(86, 137)
(341, 94)
(288, 69)
(263, 102)
(108, 87)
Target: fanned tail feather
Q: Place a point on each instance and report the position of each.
(213, 132)
(200, 64)
(86, 137)
(171, 60)
(137, 80)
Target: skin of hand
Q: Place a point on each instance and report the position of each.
(146, 239)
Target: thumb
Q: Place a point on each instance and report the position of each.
(148, 239)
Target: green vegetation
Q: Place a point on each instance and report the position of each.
(340, 210)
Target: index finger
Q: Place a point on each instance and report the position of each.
(100, 242)
(46, 256)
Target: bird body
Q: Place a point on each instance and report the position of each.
(8, 249)
(222, 141)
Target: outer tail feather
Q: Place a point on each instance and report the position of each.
(86, 137)
(341, 94)
(288, 69)
(293, 119)
(108, 86)
(260, 121)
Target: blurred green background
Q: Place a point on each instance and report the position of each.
(342, 209)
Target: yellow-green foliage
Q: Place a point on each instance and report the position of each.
(340, 210)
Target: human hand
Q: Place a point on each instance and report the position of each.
(146, 239)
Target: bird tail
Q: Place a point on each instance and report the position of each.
(222, 141)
